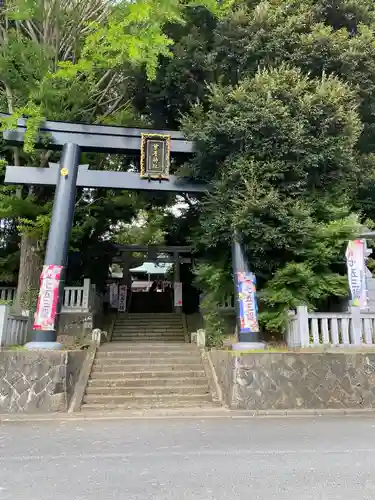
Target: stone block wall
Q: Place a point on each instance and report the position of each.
(74, 323)
(75, 328)
(35, 381)
(286, 381)
(194, 322)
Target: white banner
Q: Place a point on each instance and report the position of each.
(355, 261)
(113, 295)
(122, 298)
(178, 294)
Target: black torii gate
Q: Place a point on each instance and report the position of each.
(156, 148)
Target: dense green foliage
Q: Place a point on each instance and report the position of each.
(73, 60)
(285, 131)
(279, 149)
(279, 96)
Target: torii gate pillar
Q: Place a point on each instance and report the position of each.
(53, 273)
(245, 299)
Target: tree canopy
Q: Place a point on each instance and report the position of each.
(277, 94)
(73, 60)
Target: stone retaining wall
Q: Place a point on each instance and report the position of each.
(75, 327)
(286, 381)
(36, 381)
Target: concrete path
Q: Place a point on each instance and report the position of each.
(317, 458)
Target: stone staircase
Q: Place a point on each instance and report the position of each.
(149, 328)
(147, 366)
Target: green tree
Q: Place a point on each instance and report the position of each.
(279, 151)
(35, 36)
(291, 174)
(181, 80)
(319, 37)
(71, 60)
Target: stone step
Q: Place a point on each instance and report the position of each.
(142, 326)
(147, 339)
(137, 333)
(144, 329)
(154, 320)
(149, 356)
(140, 333)
(140, 356)
(140, 318)
(147, 400)
(142, 340)
(127, 382)
(147, 374)
(135, 322)
(118, 365)
(150, 321)
(124, 347)
(161, 335)
(148, 333)
(138, 328)
(168, 333)
(146, 362)
(149, 316)
(147, 391)
(147, 347)
(155, 316)
(162, 359)
(98, 407)
(151, 326)
(141, 367)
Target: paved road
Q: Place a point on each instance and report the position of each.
(213, 459)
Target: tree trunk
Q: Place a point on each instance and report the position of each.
(29, 274)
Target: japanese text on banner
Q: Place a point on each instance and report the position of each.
(355, 261)
(46, 309)
(248, 309)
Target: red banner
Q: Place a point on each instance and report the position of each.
(46, 308)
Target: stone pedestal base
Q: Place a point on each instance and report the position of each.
(38, 346)
(248, 346)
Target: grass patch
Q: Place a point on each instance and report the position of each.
(257, 351)
(261, 351)
(15, 348)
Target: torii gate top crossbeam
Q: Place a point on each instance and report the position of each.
(97, 138)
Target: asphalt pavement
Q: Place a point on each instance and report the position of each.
(316, 458)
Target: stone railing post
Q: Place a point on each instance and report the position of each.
(356, 326)
(292, 336)
(86, 294)
(4, 313)
(96, 336)
(303, 326)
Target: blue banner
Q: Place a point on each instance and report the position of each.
(248, 308)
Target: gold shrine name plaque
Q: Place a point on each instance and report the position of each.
(155, 156)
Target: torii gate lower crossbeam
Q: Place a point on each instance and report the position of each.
(101, 179)
(67, 177)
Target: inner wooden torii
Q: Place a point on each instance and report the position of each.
(156, 148)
